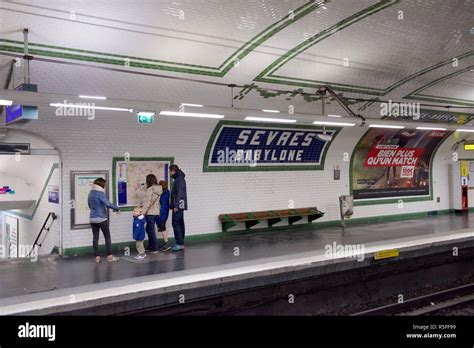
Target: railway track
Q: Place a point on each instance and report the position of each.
(426, 304)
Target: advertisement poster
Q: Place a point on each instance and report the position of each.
(250, 146)
(390, 163)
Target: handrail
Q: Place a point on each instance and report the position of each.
(54, 217)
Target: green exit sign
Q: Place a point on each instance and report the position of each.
(146, 117)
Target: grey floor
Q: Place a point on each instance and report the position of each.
(25, 277)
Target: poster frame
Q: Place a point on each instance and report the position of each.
(73, 176)
(390, 200)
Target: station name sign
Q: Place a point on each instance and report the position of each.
(250, 146)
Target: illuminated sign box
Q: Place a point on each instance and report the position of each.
(145, 117)
(468, 146)
(15, 113)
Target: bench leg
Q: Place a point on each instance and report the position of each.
(227, 225)
(313, 217)
(293, 219)
(251, 223)
(273, 221)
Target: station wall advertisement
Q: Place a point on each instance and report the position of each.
(389, 163)
(240, 146)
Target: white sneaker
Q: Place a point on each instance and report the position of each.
(140, 257)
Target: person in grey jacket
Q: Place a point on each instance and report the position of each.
(178, 204)
(98, 204)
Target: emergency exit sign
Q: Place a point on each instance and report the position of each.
(146, 117)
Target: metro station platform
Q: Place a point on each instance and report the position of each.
(76, 285)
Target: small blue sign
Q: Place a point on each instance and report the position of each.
(14, 113)
(122, 193)
(53, 197)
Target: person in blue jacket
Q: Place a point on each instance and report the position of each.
(164, 213)
(98, 204)
(139, 223)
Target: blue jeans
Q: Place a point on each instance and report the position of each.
(177, 220)
(151, 232)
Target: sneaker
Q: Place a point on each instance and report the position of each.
(165, 247)
(151, 251)
(97, 259)
(140, 256)
(112, 259)
(177, 247)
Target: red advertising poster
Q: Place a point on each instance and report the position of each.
(394, 162)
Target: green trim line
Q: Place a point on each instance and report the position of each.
(217, 236)
(257, 168)
(155, 64)
(38, 202)
(268, 76)
(393, 200)
(114, 174)
(423, 97)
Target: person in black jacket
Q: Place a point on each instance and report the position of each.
(178, 204)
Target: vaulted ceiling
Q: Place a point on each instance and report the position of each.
(401, 50)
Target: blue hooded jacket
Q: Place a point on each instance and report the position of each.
(179, 195)
(139, 223)
(164, 206)
(98, 203)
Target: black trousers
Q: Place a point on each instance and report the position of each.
(104, 226)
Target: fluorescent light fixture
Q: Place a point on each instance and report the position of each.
(340, 124)
(6, 102)
(91, 97)
(59, 105)
(272, 111)
(193, 105)
(465, 130)
(334, 116)
(385, 126)
(431, 128)
(189, 114)
(267, 119)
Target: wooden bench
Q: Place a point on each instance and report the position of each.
(271, 216)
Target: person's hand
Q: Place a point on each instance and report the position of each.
(175, 210)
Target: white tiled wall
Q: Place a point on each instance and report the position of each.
(91, 144)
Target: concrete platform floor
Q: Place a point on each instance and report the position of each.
(18, 278)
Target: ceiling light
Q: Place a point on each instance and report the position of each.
(266, 119)
(6, 102)
(272, 111)
(465, 130)
(431, 128)
(190, 114)
(334, 116)
(327, 123)
(91, 97)
(193, 105)
(385, 126)
(78, 106)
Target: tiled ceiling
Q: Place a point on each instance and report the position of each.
(413, 50)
